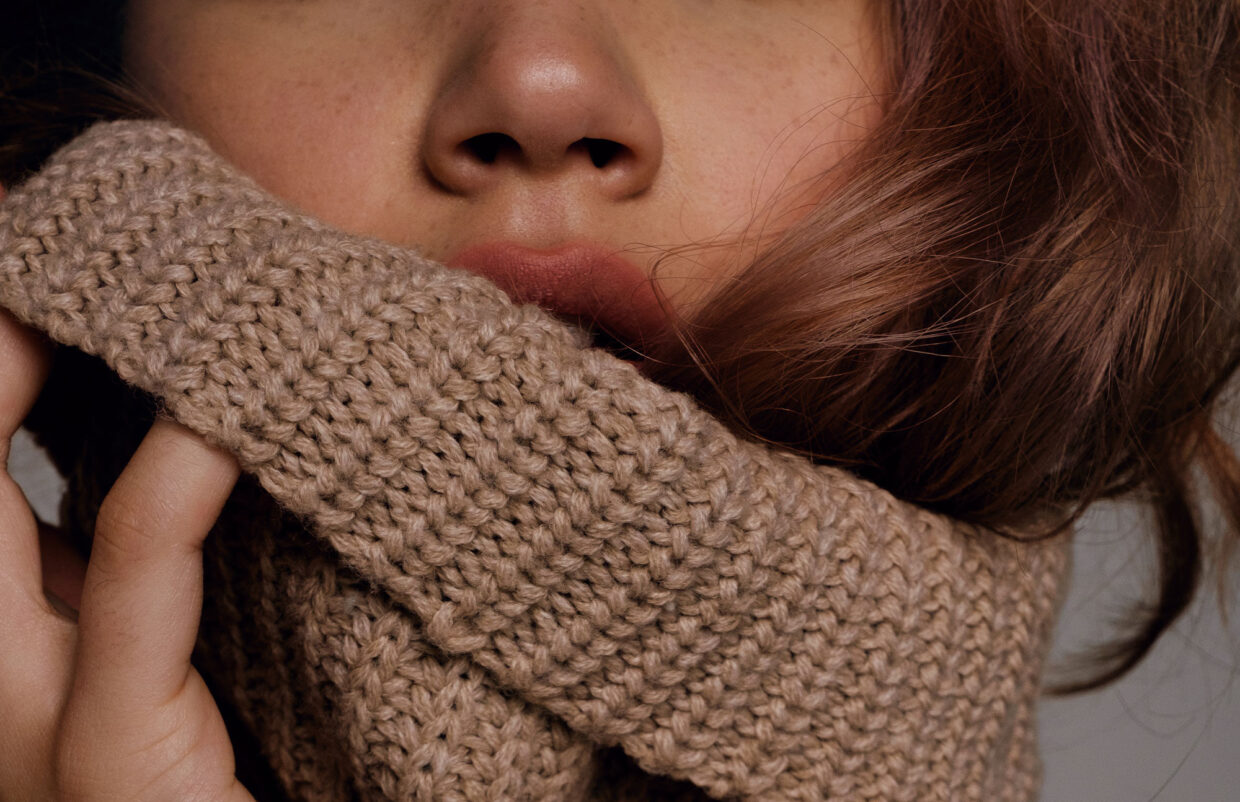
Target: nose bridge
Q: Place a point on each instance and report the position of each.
(548, 83)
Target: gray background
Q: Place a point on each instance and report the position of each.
(1169, 732)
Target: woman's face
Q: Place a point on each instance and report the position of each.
(558, 146)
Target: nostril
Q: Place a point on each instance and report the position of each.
(602, 151)
(456, 162)
(487, 147)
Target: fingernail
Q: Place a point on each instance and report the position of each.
(60, 606)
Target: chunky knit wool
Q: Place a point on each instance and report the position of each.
(476, 559)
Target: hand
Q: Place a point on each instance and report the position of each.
(109, 707)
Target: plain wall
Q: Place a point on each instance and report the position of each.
(1170, 731)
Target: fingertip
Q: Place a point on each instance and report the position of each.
(168, 495)
(195, 449)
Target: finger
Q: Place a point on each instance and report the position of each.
(34, 645)
(24, 362)
(142, 596)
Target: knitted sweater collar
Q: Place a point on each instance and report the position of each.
(459, 496)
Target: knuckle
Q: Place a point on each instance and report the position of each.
(147, 762)
(74, 775)
(85, 766)
(76, 760)
(122, 529)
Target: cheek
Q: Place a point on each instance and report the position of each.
(753, 139)
(300, 120)
(303, 142)
(753, 146)
(752, 154)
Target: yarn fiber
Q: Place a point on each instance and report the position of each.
(476, 559)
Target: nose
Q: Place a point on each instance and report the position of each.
(540, 91)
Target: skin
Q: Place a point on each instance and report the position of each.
(356, 113)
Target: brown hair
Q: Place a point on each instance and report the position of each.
(1021, 298)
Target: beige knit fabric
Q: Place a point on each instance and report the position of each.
(503, 565)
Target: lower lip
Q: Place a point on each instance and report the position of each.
(583, 281)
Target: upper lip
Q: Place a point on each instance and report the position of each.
(583, 282)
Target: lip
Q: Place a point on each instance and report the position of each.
(584, 282)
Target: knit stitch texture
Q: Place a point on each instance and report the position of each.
(476, 559)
